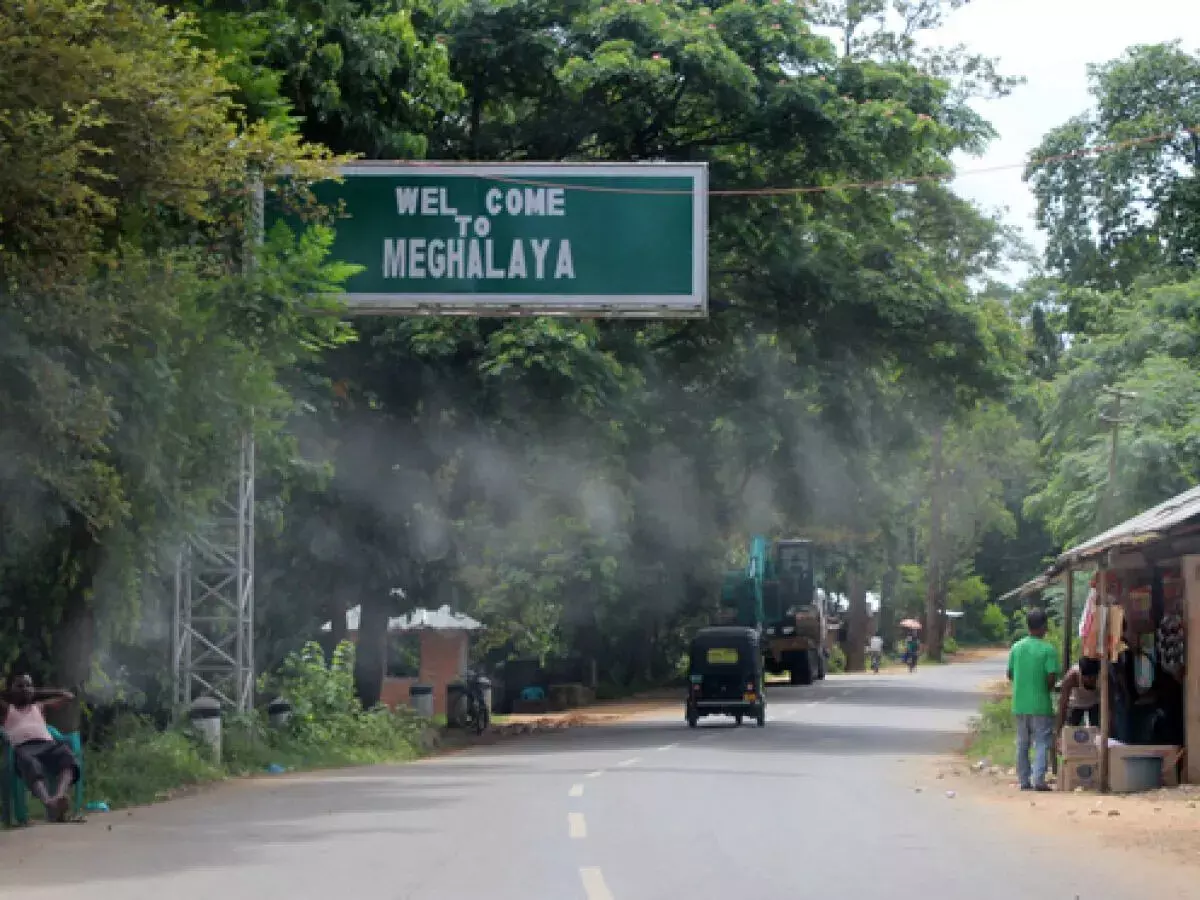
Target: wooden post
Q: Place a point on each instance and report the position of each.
(1068, 622)
(1068, 636)
(1190, 567)
(1105, 672)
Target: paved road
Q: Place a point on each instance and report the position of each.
(820, 802)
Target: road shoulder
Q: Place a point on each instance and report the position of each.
(1156, 828)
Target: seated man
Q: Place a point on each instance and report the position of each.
(38, 754)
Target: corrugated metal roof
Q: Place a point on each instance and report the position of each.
(443, 619)
(1150, 525)
(1146, 526)
(1030, 587)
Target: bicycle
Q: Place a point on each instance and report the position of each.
(472, 711)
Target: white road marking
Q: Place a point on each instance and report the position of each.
(629, 762)
(595, 774)
(593, 884)
(668, 746)
(576, 791)
(576, 827)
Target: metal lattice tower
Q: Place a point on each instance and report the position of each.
(213, 638)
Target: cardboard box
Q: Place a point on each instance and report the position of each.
(1116, 763)
(1080, 742)
(1077, 773)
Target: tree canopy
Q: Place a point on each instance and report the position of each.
(579, 485)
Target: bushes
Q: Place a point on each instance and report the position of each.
(837, 660)
(994, 731)
(328, 728)
(143, 765)
(994, 625)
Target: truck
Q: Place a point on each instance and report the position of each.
(777, 594)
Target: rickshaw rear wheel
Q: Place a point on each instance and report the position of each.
(761, 718)
(737, 719)
(692, 718)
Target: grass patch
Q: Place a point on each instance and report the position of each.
(993, 734)
(328, 729)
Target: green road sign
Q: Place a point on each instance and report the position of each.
(612, 239)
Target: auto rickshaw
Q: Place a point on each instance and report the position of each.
(726, 675)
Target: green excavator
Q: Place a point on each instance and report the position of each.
(777, 594)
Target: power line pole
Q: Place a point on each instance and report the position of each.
(1115, 422)
(212, 640)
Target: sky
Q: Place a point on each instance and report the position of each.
(1050, 42)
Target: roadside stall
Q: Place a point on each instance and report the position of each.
(1142, 601)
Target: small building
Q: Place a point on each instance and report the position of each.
(445, 638)
(1144, 597)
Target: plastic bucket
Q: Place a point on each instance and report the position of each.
(205, 714)
(420, 697)
(1143, 773)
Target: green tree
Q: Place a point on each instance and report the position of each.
(131, 350)
(1112, 217)
(1152, 348)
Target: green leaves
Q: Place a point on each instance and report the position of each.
(1151, 346)
(140, 334)
(1134, 209)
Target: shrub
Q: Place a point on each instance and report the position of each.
(949, 646)
(144, 764)
(994, 731)
(328, 728)
(837, 660)
(994, 624)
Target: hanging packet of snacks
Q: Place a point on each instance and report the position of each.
(1171, 643)
(1137, 608)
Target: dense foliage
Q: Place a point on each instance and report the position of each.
(140, 764)
(578, 485)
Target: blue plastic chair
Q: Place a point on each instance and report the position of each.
(16, 794)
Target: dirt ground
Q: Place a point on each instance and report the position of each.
(975, 654)
(651, 703)
(605, 711)
(1163, 823)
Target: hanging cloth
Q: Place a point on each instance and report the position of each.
(1089, 643)
(1114, 643)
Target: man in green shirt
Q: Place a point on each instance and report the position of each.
(1033, 671)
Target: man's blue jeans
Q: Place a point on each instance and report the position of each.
(1038, 730)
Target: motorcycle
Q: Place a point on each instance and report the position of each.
(471, 711)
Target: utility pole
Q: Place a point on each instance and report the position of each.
(1115, 421)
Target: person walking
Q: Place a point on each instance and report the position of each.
(1033, 670)
(875, 649)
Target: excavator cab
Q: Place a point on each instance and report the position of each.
(775, 594)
